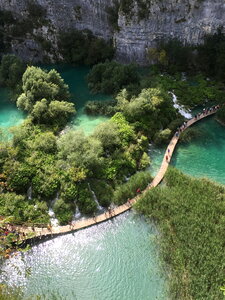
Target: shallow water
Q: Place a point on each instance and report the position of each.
(203, 157)
(113, 260)
(9, 114)
(75, 77)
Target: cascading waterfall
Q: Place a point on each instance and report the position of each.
(77, 214)
(29, 193)
(99, 207)
(180, 108)
(54, 221)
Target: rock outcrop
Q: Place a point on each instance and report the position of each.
(187, 20)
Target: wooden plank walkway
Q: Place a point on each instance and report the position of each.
(80, 224)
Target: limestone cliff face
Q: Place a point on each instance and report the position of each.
(187, 20)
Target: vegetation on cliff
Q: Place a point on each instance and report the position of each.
(82, 47)
(190, 216)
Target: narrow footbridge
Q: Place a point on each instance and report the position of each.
(80, 224)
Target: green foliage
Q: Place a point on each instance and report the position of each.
(189, 214)
(18, 175)
(211, 58)
(106, 108)
(78, 150)
(111, 77)
(150, 111)
(39, 84)
(82, 47)
(128, 190)
(173, 56)
(23, 210)
(44, 142)
(46, 182)
(195, 90)
(11, 71)
(63, 211)
(103, 192)
(35, 10)
(163, 136)
(45, 97)
(69, 192)
(85, 200)
(8, 293)
(108, 134)
(113, 14)
(126, 131)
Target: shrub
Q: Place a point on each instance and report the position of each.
(111, 77)
(103, 192)
(163, 136)
(82, 47)
(85, 200)
(63, 211)
(128, 189)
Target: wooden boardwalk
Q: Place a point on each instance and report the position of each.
(80, 224)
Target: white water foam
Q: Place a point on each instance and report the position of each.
(54, 221)
(180, 108)
(29, 193)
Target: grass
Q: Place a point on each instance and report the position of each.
(190, 215)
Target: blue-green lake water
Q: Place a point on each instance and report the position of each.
(203, 157)
(9, 114)
(116, 259)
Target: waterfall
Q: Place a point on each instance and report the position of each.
(180, 108)
(99, 207)
(54, 221)
(77, 214)
(29, 193)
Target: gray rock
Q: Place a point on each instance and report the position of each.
(187, 20)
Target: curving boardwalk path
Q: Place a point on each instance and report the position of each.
(57, 230)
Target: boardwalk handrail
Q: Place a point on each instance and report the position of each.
(57, 230)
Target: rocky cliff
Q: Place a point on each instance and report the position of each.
(139, 27)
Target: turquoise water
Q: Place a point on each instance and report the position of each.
(113, 260)
(203, 157)
(75, 77)
(9, 114)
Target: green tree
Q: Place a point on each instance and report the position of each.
(108, 134)
(111, 77)
(11, 71)
(39, 84)
(78, 150)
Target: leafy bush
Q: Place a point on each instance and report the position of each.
(128, 189)
(163, 136)
(63, 211)
(85, 200)
(105, 108)
(103, 192)
(82, 47)
(11, 71)
(111, 77)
